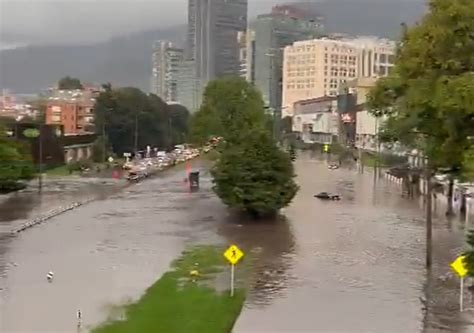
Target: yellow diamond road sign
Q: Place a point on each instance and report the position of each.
(459, 266)
(233, 254)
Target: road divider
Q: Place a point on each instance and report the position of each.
(188, 298)
(49, 215)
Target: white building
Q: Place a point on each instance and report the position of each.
(167, 60)
(320, 67)
(316, 120)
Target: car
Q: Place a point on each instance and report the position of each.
(327, 196)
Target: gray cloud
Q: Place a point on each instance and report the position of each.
(82, 21)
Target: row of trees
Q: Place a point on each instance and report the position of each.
(252, 174)
(428, 99)
(129, 119)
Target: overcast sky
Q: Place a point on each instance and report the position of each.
(76, 21)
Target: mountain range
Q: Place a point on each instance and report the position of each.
(126, 60)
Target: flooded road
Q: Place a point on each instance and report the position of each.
(350, 266)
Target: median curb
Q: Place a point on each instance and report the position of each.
(50, 215)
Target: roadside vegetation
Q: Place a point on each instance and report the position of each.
(181, 303)
(123, 113)
(251, 173)
(16, 164)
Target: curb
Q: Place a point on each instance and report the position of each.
(49, 215)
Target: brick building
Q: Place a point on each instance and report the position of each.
(74, 109)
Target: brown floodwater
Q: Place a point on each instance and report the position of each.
(354, 265)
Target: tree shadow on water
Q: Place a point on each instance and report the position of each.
(270, 246)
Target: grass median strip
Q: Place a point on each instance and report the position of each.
(181, 303)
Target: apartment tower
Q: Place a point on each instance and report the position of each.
(166, 62)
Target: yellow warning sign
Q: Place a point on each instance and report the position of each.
(459, 266)
(233, 254)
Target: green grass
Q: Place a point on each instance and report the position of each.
(176, 304)
(62, 170)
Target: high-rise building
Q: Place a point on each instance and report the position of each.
(271, 33)
(189, 90)
(319, 67)
(213, 26)
(166, 63)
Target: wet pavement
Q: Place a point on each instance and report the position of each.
(350, 266)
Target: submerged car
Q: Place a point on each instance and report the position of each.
(327, 196)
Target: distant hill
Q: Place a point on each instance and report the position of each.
(127, 60)
(366, 17)
(122, 61)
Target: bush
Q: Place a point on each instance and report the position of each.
(255, 176)
(15, 165)
(79, 165)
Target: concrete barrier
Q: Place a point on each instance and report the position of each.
(49, 215)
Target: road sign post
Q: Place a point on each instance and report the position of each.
(459, 267)
(232, 280)
(233, 255)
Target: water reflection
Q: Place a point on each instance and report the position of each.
(353, 259)
(17, 206)
(272, 247)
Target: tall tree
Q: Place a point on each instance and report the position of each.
(230, 106)
(129, 117)
(429, 96)
(178, 122)
(69, 83)
(251, 174)
(254, 175)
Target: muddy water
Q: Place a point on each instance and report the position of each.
(18, 207)
(349, 266)
(102, 254)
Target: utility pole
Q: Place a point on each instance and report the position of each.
(103, 141)
(429, 219)
(170, 137)
(40, 178)
(136, 133)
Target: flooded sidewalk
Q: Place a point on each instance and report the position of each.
(18, 207)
